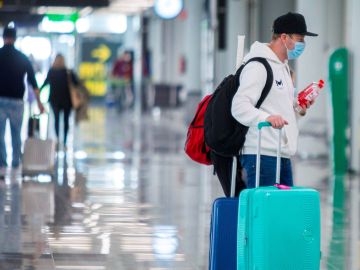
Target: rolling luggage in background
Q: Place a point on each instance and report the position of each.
(279, 226)
(39, 156)
(38, 201)
(167, 96)
(223, 229)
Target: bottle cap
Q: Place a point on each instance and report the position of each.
(321, 83)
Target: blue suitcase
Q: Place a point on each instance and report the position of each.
(279, 226)
(223, 229)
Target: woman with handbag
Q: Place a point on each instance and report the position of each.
(61, 81)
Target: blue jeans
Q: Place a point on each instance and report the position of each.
(267, 170)
(13, 110)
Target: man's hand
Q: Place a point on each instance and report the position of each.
(41, 107)
(308, 104)
(276, 121)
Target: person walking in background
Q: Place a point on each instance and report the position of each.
(122, 75)
(14, 65)
(59, 78)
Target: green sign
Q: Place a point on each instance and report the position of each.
(72, 17)
(339, 86)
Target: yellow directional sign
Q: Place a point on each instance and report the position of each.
(97, 54)
(102, 53)
(94, 75)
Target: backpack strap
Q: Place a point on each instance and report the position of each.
(269, 79)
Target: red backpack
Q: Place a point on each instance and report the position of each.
(195, 146)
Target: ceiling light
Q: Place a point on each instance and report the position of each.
(85, 11)
(83, 25)
(56, 27)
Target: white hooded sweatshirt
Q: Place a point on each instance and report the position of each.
(279, 101)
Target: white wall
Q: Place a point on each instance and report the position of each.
(171, 39)
(312, 65)
(225, 61)
(192, 46)
(269, 11)
(156, 46)
(130, 34)
(353, 43)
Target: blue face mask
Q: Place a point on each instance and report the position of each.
(297, 51)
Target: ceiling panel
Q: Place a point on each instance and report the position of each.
(25, 4)
(21, 18)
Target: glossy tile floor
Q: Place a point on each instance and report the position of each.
(125, 197)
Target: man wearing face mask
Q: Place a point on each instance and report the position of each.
(287, 43)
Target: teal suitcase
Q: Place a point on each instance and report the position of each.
(278, 226)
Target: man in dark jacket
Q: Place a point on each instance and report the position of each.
(14, 65)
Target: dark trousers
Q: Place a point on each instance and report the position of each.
(66, 112)
(223, 170)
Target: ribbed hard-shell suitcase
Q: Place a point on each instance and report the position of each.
(223, 229)
(39, 157)
(278, 226)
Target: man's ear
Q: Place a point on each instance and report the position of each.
(283, 37)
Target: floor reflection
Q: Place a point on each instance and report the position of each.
(23, 241)
(126, 197)
(336, 256)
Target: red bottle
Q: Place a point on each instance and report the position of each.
(308, 94)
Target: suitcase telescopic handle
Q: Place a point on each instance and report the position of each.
(278, 160)
(233, 176)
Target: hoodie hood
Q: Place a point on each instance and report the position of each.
(259, 49)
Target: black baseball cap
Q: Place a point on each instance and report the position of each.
(291, 23)
(9, 31)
